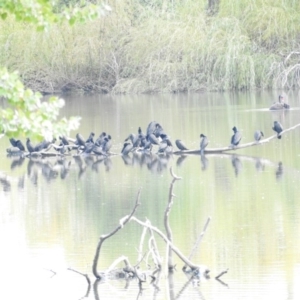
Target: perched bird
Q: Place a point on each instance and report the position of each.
(13, 142)
(258, 135)
(90, 138)
(277, 128)
(180, 145)
(43, 145)
(151, 127)
(158, 130)
(17, 143)
(127, 147)
(63, 149)
(100, 139)
(203, 143)
(165, 145)
(152, 139)
(20, 145)
(29, 146)
(64, 140)
(107, 144)
(88, 147)
(236, 138)
(79, 140)
(134, 139)
(141, 134)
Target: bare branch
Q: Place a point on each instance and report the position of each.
(230, 148)
(173, 175)
(166, 219)
(174, 248)
(200, 238)
(116, 262)
(221, 274)
(124, 220)
(140, 251)
(153, 247)
(87, 279)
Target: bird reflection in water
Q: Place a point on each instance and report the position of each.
(237, 164)
(127, 159)
(4, 181)
(260, 167)
(17, 161)
(107, 164)
(204, 163)
(279, 171)
(78, 160)
(180, 160)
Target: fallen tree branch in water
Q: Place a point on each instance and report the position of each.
(174, 248)
(241, 146)
(221, 274)
(200, 238)
(125, 220)
(170, 265)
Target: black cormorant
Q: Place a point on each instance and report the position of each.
(29, 146)
(20, 145)
(152, 139)
(80, 140)
(100, 139)
(277, 128)
(127, 147)
(90, 138)
(203, 143)
(258, 135)
(180, 145)
(107, 144)
(64, 140)
(237, 136)
(13, 142)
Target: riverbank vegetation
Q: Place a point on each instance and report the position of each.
(161, 46)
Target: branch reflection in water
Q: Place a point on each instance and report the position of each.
(51, 168)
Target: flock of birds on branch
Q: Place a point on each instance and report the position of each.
(140, 142)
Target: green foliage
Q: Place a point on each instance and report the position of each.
(160, 46)
(43, 13)
(27, 115)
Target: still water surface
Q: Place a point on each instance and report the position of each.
(52, 212)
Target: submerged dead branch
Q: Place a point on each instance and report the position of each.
(174, 248)
(241, 146)
(125, 220)
(170, 265)
(221, 274)
(196, 246)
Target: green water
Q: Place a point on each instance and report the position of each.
(52, 212)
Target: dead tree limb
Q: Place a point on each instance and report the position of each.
(174, 248)
(153, 248)
(196, 246)
(166, 219)
(241, 146)
(87, 279)
(173, 175)
(53, 272)
(140, 250)
(116, 262)
(221, 274)
(124, 220)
